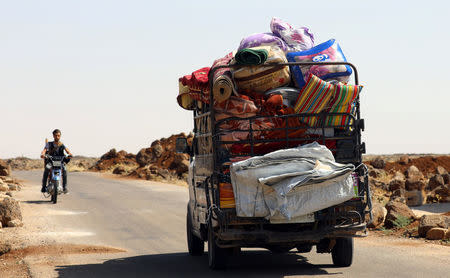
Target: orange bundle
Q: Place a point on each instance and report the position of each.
(226, 195)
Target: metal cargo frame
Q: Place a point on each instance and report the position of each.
(345, 219)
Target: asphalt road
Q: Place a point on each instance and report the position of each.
(148, 220)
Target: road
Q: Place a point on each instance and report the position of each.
(147, 219)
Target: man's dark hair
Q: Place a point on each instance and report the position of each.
(56, 131)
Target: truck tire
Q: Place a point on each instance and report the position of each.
(196, 246)
(216, 256)
(342, 252)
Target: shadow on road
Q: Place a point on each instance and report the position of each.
(249, 264)
(37, 202)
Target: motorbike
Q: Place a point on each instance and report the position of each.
(56, 166)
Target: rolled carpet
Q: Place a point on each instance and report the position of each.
(249, 56)
(223, 87)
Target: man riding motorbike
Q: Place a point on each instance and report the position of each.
(55, 148)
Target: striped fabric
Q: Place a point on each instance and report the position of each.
(344, 97)
(314, 98)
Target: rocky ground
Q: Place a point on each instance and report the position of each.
(77, 163)
(10, 219)
(401, 182)
(159, 162)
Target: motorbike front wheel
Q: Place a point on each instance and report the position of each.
(54, 193)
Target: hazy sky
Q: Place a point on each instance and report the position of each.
(106, 72)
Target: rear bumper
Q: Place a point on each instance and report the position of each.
(249, 238)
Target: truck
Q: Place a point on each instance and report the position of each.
(331, 229)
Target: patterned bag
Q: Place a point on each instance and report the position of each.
(329, 51)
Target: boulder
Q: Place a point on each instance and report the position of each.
(415, 198)
(399, 176)
(446, 178)
(435, 181)
(395, 210)
(377, 173)
(413, 173)
(396, 184)
(119, 170)
(413, 184)
(15, 223)
(5, 169)
(404, 159)
(378, 163)
(4, 187)
(427, 222)
(436, 233)
(401, 192)
(12, 186)
(9, 193)
(9, 210)
(441, 170)
(443, 191)
(378, 214)
(157, 150)
(111, 154)
(145, 156)
(4, 248)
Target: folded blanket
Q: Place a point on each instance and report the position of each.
(249, 56)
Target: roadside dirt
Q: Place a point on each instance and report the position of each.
(13, 263)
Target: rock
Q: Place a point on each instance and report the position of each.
(9, 194)
(412, 184)
(378, 213)
(9, 210)
(446, 178)
(395, 210)
(427, 222)
(157, 150)
(396, 184)
(399, 176)
(9, 180)
(447, 234)
(378, 163)
(12, 186)
(4, 248)
(404, 159)
(415, 198)
(441, 170)
(400, 199)
(435, 181)
(401, 192)
(145, 156)
(436, 233)
(119, 170)
(5, 169)
(413, 173)
(377, 173)
(15, 223)
(111, 154)
(4, 187)
(443, 191)
(1, 226)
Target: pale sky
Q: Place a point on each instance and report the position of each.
(106, 72)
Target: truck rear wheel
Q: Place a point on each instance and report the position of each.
(196, 246)
(216, 256)
(342, 252)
